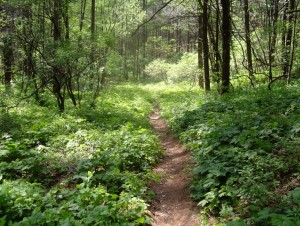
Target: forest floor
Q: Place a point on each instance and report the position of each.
(172, 205)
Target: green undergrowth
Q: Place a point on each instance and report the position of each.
(86, 166)
(246, 151)
(92, 165)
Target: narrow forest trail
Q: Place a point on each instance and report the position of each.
(172, 205)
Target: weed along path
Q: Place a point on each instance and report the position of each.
(172, 205)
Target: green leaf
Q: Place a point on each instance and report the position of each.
(236, 223)
(4, 152)
(140, 220)
(90, 173)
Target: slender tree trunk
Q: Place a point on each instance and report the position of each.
(188, 47)
(177, 37)
(226, 39)
(69, 82)
(7, 58)
(217, 52)
(66, 20)
(248, 41)
(273, 18)
(144, 40)
(284, 32)
(124, 54)
(69, 85)
(82, 14)
(29, 46)
(293, 46)
(57, 34)
(7, 27)
(93, 17)
(205, 46)
(200, 44)
(288, 42)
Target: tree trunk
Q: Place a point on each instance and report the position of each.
(287, 54)
(200, 45)
(93, 17)
(29, 46)
(82, 14)
(125, 69)
(205, 46)
(248, 41)
(284, 32)
(143, 64)
(188, 49)
(8, 53)
(217, 52)
(57, 34)
(7, 29)
(273, 18)
(226, 39)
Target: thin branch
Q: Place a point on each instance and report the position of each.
(24, 98)
(151, 18)
(293, 11)
(275, 79)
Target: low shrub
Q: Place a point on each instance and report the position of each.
(185, 70)
(157, 70)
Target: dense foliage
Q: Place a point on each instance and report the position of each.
(77, 149)
(90, 166)
(184, 69)
(245, 147)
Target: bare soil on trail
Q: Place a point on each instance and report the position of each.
(172, 205)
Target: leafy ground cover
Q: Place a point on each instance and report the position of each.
(246, 150)
(92, 165)
(89, 166)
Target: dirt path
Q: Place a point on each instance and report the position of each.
(172, 205)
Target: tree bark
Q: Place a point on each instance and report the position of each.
(8, 53)
(144, 40)
(217, 52)
(82, 14)
(287, 50)
(7, 29)
(273, 18)
(93, 17)
(248, 41)
(226, 39)
(200, 44)
(205, 46)
(57, 34)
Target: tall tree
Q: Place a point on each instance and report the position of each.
(7, 30)
(200, 43)
(144, 40)
(57, 74)
(93, 16)
(216, 46)
(226, 39)
(205, 45)
(273, 15)
(286, 70)
(248, 40)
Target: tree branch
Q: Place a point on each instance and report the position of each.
(275, 79)
(151, 18)
(293, 11)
